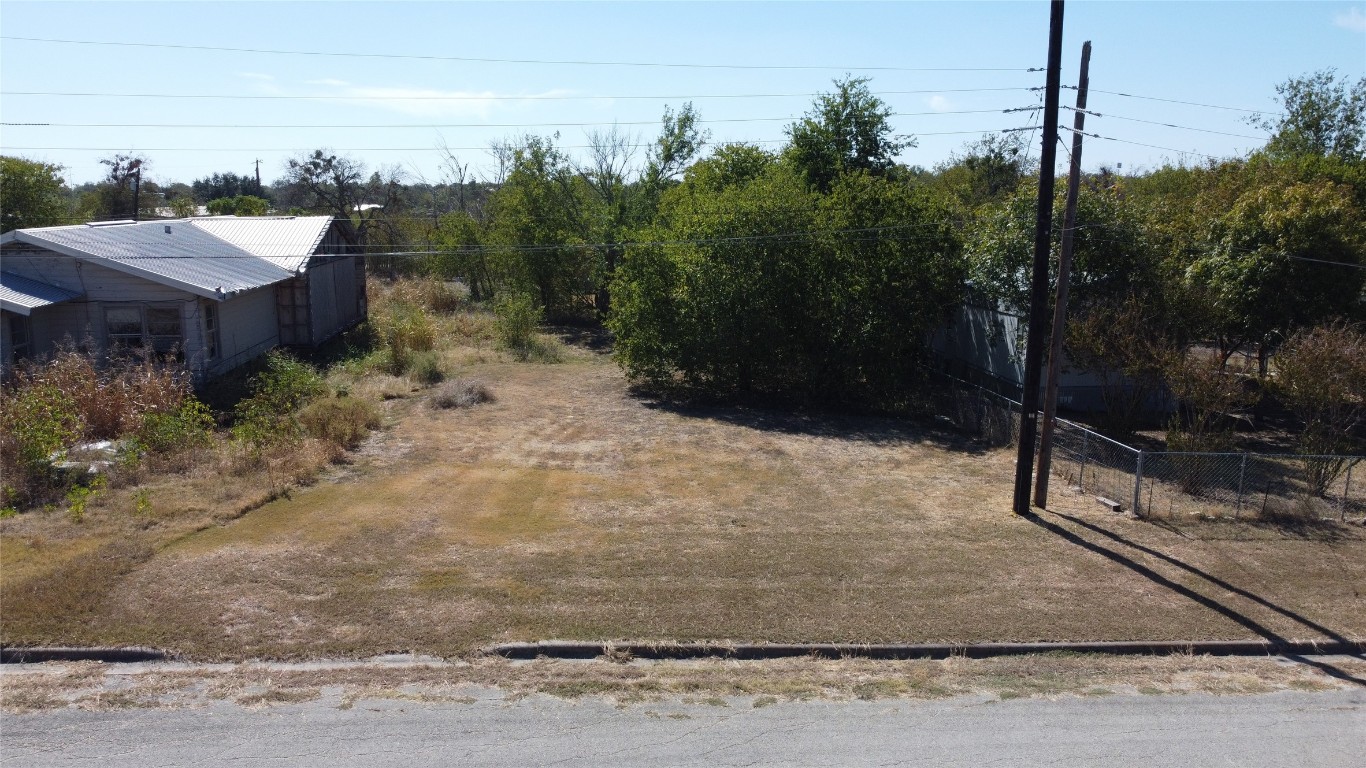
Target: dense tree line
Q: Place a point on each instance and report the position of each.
(819, 271)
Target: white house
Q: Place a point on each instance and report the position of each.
(178, 285)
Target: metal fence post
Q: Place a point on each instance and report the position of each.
(1242, 476)
(1346, 489)
(1081, 474)
(1138, 484)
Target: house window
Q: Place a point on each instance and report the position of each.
(211, 331)
(154, 328)
(163, 328)
(123, 326)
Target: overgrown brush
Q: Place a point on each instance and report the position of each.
(342, 421)
(516, 319)
(268, 417)
(425, 368)
(51, 405)
(405, 331)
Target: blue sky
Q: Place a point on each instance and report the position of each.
(428, 89)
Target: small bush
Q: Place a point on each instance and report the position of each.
(462, 393)
(516, 319)
(405, 330)
(425, 368)
(189, 427)
(268, 416)
(442, 297)
(342, 421)
(36, 421)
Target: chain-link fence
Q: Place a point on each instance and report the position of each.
(1251, 485)
(991, 416)
(1170, 483)
(1167, 484)
(1095, 463)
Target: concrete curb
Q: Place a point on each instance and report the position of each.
(557, 649)
(567, 649)
(106, 655)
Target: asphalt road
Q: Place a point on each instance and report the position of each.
(1279, 729)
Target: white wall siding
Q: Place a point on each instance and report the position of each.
(248, 327)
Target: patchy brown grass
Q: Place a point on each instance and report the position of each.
(710, 682)
(570, 508)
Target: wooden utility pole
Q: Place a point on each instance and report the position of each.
(1069, 224)
(137, 184)
(258, 178)
(1038, 293)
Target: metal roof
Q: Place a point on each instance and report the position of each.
(23, 295)
(285, 241)
(171, 253)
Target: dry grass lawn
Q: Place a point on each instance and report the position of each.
(748, 684)
(570, 508)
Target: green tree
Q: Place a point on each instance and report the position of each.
(1268, 265)
(678, 143)
(122, 183)
(1322, 115)
(461, 254)
(241, 205)
(845, 131)
(987, 170)
(752, 283)
(31, 194)
(538, 230)
(1321, 375)
(1111, 256)
(337, 185)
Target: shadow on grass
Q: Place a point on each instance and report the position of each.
(1118, 557)
(859, 427)
(593, 338)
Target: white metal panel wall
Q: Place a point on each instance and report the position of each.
(248, 327)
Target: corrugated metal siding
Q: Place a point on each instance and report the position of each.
(23, 295)
(285, 241)
(168, 252)
(247, 328)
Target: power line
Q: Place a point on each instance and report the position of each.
(485, 60)
(473, 97)
(472, 125)
(1169, 125)
(1141, 144)
(1174, 101)
(15, 148)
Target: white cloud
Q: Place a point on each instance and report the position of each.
(939, 104)
(1353, 19)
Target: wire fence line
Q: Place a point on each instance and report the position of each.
(1164, 484)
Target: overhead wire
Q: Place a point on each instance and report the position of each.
(479, 97)
(1094, 113)
(13, 147)
(490, 60)
(476, 125)
(1172, 101)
